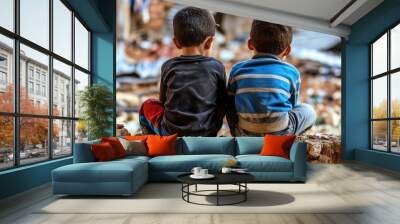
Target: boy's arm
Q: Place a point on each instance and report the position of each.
(294, 98)
(163, 88)
(221, 92)
(231, 114)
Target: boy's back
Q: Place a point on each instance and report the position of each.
(192, 91)
(265, 89)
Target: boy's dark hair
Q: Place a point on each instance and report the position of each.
(270, 37)
(192, 26)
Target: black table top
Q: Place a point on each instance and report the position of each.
(220, 178)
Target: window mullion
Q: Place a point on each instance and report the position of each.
(16, 69)
(50, 81)
(389, 104)
(73, 82)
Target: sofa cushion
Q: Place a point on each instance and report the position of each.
(185, 163)
(131, 158)
(161, 145)
(134, 147)
(257, 163)
(103, 152)
(83, 152)
(275, 145)
(112, 171)
(116, 145)
(249, 145)
(206, 145)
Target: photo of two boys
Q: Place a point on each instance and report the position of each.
(261, 96)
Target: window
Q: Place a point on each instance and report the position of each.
(44, 91)
(3, 70)
(35, 21)
(7, 14)
(62, 137)
(37, 89)
(385, 95)
(62, 74)
(38, 74)
(62, 29)
(81, 82)
(6, 73)
(47, 76)
(30, 72)
(30, 88)
(81, 45)
(3, 78)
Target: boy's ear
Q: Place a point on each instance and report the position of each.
(208, 43)
(250, 44)
(287, 51)
(176, 42)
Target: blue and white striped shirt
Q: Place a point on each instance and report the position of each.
(261, 92)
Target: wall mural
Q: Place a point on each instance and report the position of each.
(144, 43)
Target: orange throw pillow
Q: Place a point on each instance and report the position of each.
(103, 152)
(277, 145)
(161, 145)
(116, 145)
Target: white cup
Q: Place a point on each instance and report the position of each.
(196, 171)
(226, 170)
(203, 172)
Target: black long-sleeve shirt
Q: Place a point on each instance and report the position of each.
(193, 92)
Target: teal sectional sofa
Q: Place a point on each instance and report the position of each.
(125, 176)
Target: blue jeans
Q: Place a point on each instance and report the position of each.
(301, 118)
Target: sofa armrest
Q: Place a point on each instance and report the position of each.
(298, 155)
(83, 152)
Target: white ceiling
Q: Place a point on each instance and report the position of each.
(313, 15)
(321, 9)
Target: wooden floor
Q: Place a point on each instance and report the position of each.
(377, 188)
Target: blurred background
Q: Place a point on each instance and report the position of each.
(144, 43)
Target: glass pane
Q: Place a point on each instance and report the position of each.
(6, 74)
(395, 47)
(62, 138)
(33, 139)
(7, 14)
(81, 131)
(395, 94)
(62, 89)
(81, 45)
(395, 136)
(379, 97)
(34, 97)
(379, 56)
(6, 142)
(81, 82)
(379, 135)
(62, 29)
(35, 21)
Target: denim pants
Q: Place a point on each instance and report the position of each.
(301, 118)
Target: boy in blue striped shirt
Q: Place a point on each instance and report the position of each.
(264, 90)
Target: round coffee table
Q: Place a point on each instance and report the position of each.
(238, 179)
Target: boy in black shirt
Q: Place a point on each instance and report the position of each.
(192, 91)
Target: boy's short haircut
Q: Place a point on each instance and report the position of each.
(270, 38)
(192, 26)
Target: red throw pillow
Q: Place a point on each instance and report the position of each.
(103, 152)
(161, 145)
(277, 145)
(116, 145)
